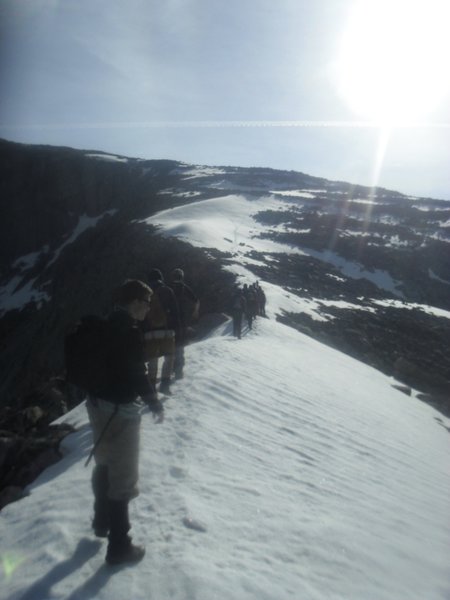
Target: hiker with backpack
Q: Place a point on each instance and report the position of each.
(188, 306)
(114, 408)
(160, 327)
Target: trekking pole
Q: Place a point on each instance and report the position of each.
(99, 439)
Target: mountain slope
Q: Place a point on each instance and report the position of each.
(303, 473)
(364, 270)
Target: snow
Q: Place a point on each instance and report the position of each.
(84, 223)
(192, 172)
(355, 270)
(433, 275)
(284, 469)
(27, 261)
(108, 157)
(15, 294)
(176, 194)
(428, 208)
(370, 202)
(227, 223)
(296, 193)
(431, 310)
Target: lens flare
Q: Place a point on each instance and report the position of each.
(10, 563)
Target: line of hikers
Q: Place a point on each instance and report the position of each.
(249, 302)
(165, 326)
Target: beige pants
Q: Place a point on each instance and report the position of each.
(118, 450)
(160, 344)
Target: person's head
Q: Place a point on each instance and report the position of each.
(134, 296)
(155, 275)
(177, 275)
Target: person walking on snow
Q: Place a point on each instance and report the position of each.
(160, 327)
(115, 419)
(189, 306)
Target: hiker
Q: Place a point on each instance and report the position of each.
(189, 306)
(115, 419)
(238, 308)
(251, 304)
(160, 326)
(261, 299)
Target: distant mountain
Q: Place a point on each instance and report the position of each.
(364, 270)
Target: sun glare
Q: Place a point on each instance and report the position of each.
(393, 64)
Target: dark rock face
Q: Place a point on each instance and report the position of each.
(28, 442)
(72, 229)
(52, 196)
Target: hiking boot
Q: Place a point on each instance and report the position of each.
(120, 549)
(164, 387)
(178, 374)
(124, 553)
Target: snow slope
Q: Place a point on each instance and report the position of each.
(284, 469)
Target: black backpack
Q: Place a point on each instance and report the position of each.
(87, 355)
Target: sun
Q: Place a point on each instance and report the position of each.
(393, 62)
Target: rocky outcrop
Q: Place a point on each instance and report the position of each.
(29, 443)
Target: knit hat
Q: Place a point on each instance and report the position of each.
(155, 275)
(177, 275)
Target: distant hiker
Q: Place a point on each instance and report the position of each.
(251, 304)
(238, 308)
(115, 418)
(160, 326)
(261, 300)
(189, 306)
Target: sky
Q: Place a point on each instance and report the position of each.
(272, 477)
(354, 90)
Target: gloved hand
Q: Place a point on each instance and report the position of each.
(155, 406)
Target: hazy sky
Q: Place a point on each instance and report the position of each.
(328, 87)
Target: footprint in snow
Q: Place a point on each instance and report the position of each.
(191, 523)
(177, 472)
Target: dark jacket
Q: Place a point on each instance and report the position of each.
(127, 362)
(185, 298)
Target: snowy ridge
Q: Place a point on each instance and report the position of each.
(303, 473)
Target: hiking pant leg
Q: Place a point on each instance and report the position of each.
(179, 359)
(123, 467)
(152, 370)
(168, 352)
(118, 450)
(167, 367)
(100, 486)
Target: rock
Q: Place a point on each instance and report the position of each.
(402, 388)
(11, 493)
(25, 457)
